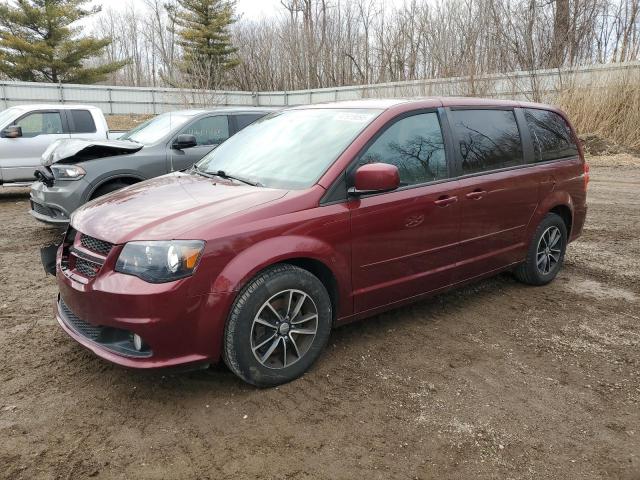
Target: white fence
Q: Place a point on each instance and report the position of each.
(533, 85)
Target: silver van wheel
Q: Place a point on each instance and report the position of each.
(549, 250)
(284, 328)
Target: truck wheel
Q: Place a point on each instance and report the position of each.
(278, 326)
(546, 252)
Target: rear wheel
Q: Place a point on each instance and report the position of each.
(278, 326)
(546, 252)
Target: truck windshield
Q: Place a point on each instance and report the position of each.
(152, 131)
(290, 149)
(9, 114)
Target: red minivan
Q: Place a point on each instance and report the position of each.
(313, 217)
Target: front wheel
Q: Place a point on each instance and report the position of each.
(546, 252)
(278, 326)
(108, 188)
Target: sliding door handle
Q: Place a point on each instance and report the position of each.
(476, 194)
(445, 200)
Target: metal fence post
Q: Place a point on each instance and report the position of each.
(61, 90)
(4, 95)
(153, 100)
(110, 102)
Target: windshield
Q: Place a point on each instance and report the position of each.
(155, 129)
(290, 149)
(8, 115)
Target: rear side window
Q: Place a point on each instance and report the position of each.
(487, 139)
(209, 130)
(82, 122)
(552, 138)
(246, 120)
(413, 144)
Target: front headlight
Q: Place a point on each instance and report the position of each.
(160, 261)
(67, 172)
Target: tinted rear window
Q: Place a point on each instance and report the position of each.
(82, 122)
(245, 120)
(552, 138)
(487, 139)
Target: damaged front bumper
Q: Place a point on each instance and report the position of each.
(54, 204)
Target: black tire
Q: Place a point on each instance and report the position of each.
(240, 330)
(529, 272)
(108, 188)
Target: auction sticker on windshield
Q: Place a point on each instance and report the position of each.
(354, 117)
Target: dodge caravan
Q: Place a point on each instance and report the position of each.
(313, 217)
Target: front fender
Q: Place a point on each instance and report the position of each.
(244, 266)
(109, 176)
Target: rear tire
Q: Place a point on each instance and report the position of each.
(546, 252)
(278, 326)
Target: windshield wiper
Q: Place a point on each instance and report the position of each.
(194, 168)
(223, 174)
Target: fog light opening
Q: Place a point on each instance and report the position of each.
(138, 344)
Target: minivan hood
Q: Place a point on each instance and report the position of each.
(164, 208)
(71, 150)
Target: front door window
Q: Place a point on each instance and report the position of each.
(41, 123)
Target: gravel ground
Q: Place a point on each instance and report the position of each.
(497, 380)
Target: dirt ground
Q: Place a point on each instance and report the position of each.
(498, 380)
(125, 122)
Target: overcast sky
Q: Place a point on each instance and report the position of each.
(258, 8)
(254, 9)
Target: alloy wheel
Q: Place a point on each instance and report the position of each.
(284, 328)
(549, 250)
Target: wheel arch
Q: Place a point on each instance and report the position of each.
(129, 178)
(564, 212)
(313, 255)
(324, 274)
(558, 202)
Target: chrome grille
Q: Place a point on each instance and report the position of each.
(95, 245)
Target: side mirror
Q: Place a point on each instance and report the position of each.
(12, 131)
(375, 178)
(184, 141)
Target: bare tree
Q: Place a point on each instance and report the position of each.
(327, 43)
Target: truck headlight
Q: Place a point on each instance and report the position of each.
(160, 261)
(67, 172)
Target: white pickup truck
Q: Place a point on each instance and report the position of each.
(27, 130)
